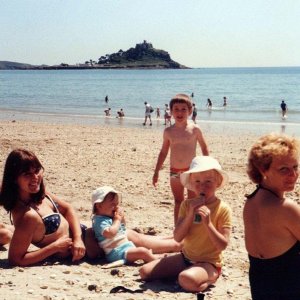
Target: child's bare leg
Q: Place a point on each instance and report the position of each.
(156, 243)
(166, 267)
(198, 277)
(134, 254)
(178, 194)
(6, 233)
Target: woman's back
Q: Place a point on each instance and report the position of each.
(267, 230)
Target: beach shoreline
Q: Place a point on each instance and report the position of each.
(80, 157)
(210, 126)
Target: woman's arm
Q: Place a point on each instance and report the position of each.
(18, 254)
(66, 209)
(291, 218)
(6, 233)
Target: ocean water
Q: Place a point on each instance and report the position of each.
(253, 94)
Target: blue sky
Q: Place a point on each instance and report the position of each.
(196, 33)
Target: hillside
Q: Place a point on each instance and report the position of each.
(142, 56)
(9, 65)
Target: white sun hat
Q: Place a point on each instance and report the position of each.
(98, 195)
(201, 164)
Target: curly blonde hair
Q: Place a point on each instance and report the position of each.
(265, 149)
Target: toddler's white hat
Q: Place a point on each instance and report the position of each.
(98, 195)
(201, 164)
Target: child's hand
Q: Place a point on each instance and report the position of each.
(195, 203)
(155, 179)
(119, 214)
(204, 212)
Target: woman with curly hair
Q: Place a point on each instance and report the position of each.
(272, 222)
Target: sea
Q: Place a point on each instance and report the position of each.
(78, 96)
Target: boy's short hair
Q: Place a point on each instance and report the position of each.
(181, 98)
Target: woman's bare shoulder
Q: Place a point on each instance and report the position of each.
(26, 218)
(291, 207)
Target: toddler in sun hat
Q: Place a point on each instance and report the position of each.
(202, 164)
(203, 226)
(110, 231)
(99, 194)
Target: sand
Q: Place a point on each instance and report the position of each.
(78, 159)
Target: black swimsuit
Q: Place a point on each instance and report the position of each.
(275, 278)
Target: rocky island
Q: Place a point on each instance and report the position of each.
(142, 56)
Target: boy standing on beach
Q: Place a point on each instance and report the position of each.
(181, 138)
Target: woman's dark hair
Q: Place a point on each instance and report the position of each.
(18, 161)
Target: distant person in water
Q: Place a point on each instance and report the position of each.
(283, 108)
(120, 113)
(192, 95)
(225, 101)
(167, 115)
(106, 99)
(157, 112)
(107, 112)
(148, 111)
(194, 113)
(209, 103)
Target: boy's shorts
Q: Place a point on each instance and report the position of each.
(119, 252)
(175, 173)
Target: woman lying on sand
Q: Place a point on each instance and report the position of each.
(42, 219)
(39, 217)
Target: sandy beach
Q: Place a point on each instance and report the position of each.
(78, 159)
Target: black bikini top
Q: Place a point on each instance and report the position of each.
(260, 187)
